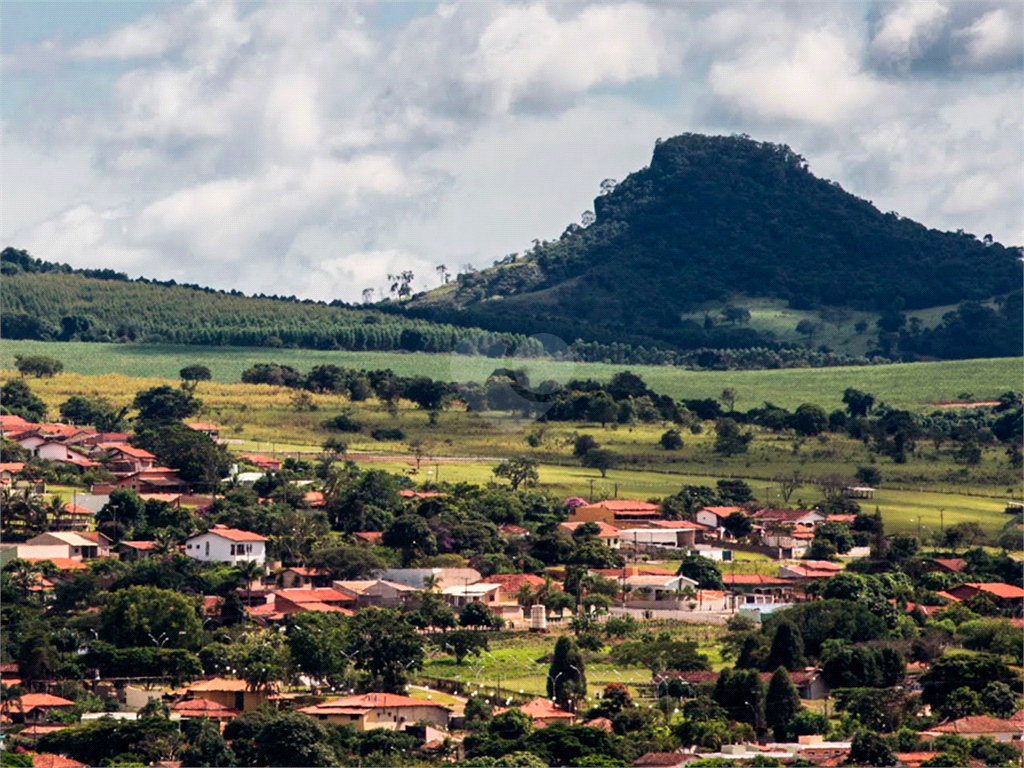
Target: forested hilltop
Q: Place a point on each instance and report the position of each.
(714, 219)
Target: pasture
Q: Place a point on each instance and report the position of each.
(907, 385)
(927, 492)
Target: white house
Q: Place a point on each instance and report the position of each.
(221, 544)
(714, 517)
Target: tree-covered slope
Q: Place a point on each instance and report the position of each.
(716, 216)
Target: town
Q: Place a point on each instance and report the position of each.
(319, 612)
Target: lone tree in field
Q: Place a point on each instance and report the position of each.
(191, 375)
(599, 459)
(728, 398)
(519, 471)
(729, 439)
(38, 366)
(567, 679)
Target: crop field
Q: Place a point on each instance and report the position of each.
(910, 385)
(926, 493)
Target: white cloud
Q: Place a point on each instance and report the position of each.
(815, 77)
(994, 35)
(908, 28)
(297, 148)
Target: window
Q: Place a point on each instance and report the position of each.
(232, 550)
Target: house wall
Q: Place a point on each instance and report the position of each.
(45, 551)
(709, 519)
(220, 550)
(57, 452)
(396, 719)
(591, 515)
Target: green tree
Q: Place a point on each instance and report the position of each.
(384, 645)
(999, 699)
(149, 616)
(461, 643)
(737, 525)
(953, 671)
(293, 739)
(476, 614)
(602, 408)
(600, 459)
(702, 570)
(38, 366)
(200, 461)
(317, 642)
(567, 681)
(520, 471)
(411, 535)
(18, 399)
(99, 413)
(729, 439)
(165, 403)
(582, 444)
(347, 562)
(672, 440)
(809, 419)
(787, 649)
(261, 658)
(782, 703)
(122, 512)
(191, 375)
(868, 748)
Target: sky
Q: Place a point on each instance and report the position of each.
(313, 148)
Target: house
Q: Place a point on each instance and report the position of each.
(82, 546)
(34, 707)
(212, 431)
(753, 588)
(973, 726)
(294, 577)
(154, 480)
(130, 551)
(196, 709)
(458, 595)
(789, 517)
(653, 587)
(50, 760)
(544, 712)
(1006, 596)
(231, 694)
(171, 499)
(512, 583)
(714, 517)
(859, 492)
(809, 570)
(73, 517)
(265, 463)
(9, 471)
(126, 459)
(442, 577)
(377, 592)
(379, 710)
(615, 510)
(368, 537)
(407, 493)
(947, 565)
(609, 535)
(60, 452)
(673, 534)
(221, 544)
(510, 531)
(322, 600)
(9, 423)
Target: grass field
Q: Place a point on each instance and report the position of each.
(912, 385)
(261, 418)
(520, 661)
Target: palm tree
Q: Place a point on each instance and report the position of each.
(247, 572)
(525, 595)
(432, 582)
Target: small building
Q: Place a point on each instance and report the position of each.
(221, 544)
(126, 459)
(947, 564)
(543, 712)
(974, 726)
(754, 588)
(81, 546)
(442, 577)
(1006, 596)
(212, 431)
(197, 709)
(714, 517)
(859, 492)
(368, 537)
(34, 707)
(408, 493)
(60, 452)
(789, 517)
(615, 510)
(154, 480)
(266, 463)
(378, 593)
(230, 694)
(672, 534)
(649, 587)
(131, 551)
(299, 576)
(321, 600)
(74, 517)
(609, 535)
(379, 710)
(665, 759)
(459, 595)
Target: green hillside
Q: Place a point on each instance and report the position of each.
(725, 221)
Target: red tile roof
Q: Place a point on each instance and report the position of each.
(218, 684)
(375, 701)
(13, 467)
(313, 595)
(752, 579)
(233, 534)
(200, 426)
(407, 493)
(606, 531)
(512, 530)
(48, 760)
(202, 708)
(127, 450)
(141, 545)
(371, 536)
(511, 582)
(952, 564)
(721, 511)
(997, 589)
(60, 563)
(978, 724)
(545, 709)
(683, 525)
(663, 759)
(626, 505)
(32, 700)
(303, 571)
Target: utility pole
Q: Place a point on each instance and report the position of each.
(591, 490)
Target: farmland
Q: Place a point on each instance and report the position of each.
(911, 385)
(925, 493)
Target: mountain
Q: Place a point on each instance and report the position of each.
(719, 219)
